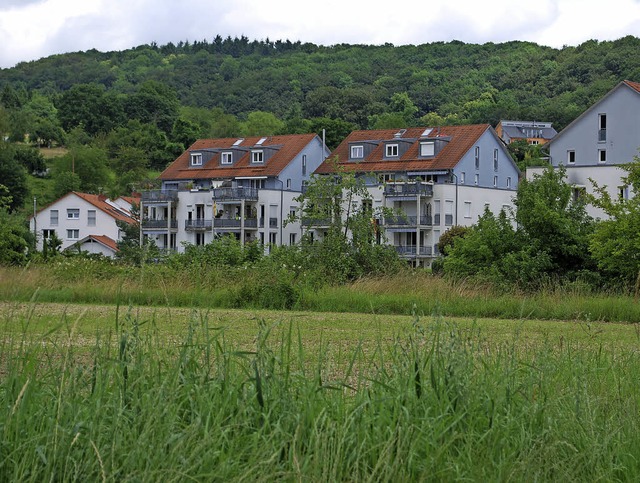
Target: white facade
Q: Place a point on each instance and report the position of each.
(75, 217)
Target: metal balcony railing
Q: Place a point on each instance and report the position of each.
(158, 224)
(602, 135)
(316, 221)
(404, 190)
(199, 224)
(401, 220)
(159, 196)
(235, 194)
(413, 251)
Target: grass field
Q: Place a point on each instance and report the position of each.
(135, 393)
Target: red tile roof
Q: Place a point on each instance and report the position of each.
(289, 147)
(99, 201)
(633, 85)
(102, 239)
(461, 140)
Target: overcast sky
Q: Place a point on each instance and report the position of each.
(31, 29)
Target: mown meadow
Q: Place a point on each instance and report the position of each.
(130, 377)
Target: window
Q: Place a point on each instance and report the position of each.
(602, 155)
(91, 217)
(73, 214)
(623, 193)
(53, 214)
(476, 179)
(602, 128)
(534, 142)
(288, 183)
(579, 192)
(304, 165)
(427, 149)
(257, 156)
(477, 157)
(199, 239)
(292, 238)
(357, 152)
(571, 157)
(196, 159)
(448, 212)
(73, 234)
(495, 160)
(495, 181)
(46, 234)
(392, 150)
(467, 209)
(387, 178)
(226, 158)
(508, 181)
(462, 178)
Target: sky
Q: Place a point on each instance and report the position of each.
(32, 29)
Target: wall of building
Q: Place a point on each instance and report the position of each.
(104, 225)
(622, 108)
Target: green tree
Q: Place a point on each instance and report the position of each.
(13, 176)
(615, 243)
(350, 246)
(260, 123)
(154, 103)
(91, 107)
(89, 163)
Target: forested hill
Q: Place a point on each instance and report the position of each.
(355, 83)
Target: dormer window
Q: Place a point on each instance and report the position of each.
(357, 152)
(257, 156)
(196, 159)
(226, 157)
(427, 148)
(392, 151)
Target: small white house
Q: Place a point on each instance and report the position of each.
(85, 221)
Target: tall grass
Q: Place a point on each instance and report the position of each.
(437, 402)
(83, 281)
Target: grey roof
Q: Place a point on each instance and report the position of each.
(517, 132)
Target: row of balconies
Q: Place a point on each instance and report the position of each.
(391, 190)
(390, 222)
(218, 194)
(201, 224)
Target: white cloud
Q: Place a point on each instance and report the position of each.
(36, 28)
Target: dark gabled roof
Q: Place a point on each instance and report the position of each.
(285, 148)
(634, 86)
(460, 139)
(518, 132)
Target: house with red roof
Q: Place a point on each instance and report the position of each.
(245, 187)
(433, 177)
(84, 221)
(599, 142)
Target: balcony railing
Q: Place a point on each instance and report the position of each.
(602, 135)
(316, 221)
(235, 194)
(159, 196)
(408, 190)
(414, 251)
(403, 221)
(158, 224)
(199, 224)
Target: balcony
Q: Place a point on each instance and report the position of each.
(159, 196)
(413, 251)
(159, 224)
(234, 223)
(199, 224)
(223, 195)
(602, 135)
(316, 222)
(408, 190)
(401, 221)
